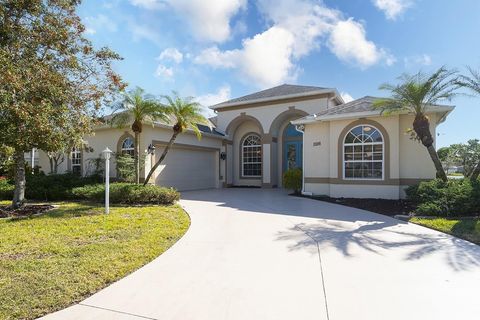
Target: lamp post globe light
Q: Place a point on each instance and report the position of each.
(106, 155)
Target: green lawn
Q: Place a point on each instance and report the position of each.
(51, 261)
(466, 228)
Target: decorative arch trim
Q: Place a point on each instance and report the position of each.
(386, 146)
(284, 116)
(233, 125)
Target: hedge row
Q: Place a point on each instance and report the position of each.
(71, 187)
(127, 193)
(457, 197)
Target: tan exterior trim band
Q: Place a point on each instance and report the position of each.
(389, 182)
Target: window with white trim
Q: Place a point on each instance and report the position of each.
(363, 153)
(128, 147)
(76, 160)
(251, 156)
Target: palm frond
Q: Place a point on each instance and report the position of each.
(471, 82)
(416, 92)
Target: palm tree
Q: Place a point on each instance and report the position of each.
(140, 108)
(472, 82)
(415, 94)
(186, 114)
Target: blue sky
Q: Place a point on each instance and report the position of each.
(216, 50)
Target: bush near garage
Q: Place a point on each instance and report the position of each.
(456, 197)
(127, 193)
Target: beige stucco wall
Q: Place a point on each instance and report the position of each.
(267, 114)
(408, 160)
(110, 137)
(415, 162)
(269, 120)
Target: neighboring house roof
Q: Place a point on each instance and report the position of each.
(362, 107)
(277, 93)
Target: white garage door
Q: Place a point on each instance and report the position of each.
(187, 169)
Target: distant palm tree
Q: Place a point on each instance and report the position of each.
(186, 114)
(415, 93)
(472, 82)
(137, 108)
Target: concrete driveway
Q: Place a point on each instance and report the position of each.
(260, 254)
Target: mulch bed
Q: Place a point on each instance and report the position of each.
(25, 211)
(382, 206)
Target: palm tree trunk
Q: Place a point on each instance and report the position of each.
(421, 125)
(475, 173)
(19, 192)
(137, 157)
(162, 157)
(438, 164)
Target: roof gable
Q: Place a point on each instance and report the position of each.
(283, 91)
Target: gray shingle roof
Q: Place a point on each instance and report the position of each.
(359, 105)
(282, 90)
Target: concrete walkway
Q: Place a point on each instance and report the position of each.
(260, 254)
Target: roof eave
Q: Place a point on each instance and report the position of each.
(311, 118)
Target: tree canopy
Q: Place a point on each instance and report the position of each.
(53, 81)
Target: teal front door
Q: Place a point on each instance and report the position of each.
(292, 155)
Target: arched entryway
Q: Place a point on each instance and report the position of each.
(292, 148)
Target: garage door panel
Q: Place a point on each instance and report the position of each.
(186, 169)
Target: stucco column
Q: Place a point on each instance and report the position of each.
(268, 156)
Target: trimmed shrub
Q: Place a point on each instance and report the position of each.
(55, 187)
(457, 197)
(6, 189)
(127, 193)
(292, 179)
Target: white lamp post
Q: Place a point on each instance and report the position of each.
(106, 155)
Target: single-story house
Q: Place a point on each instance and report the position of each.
(345, 149)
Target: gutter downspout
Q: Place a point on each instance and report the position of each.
(301, 128)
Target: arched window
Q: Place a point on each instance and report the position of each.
(128, 146)
(251, 156)
(363, 150)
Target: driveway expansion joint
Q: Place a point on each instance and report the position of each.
(116, 311)
(296, 226)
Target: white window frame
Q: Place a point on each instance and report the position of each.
(76, 159)
(259, 145)
(364, 161)
(127, 150)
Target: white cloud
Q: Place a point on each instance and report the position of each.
(209, 20)
(264, 59)
(143, 32)
(171, 54)
(100, 22)
(422, 60)
(306, 20)
(148, 4)
(210, 99)
(349, 43)
(164, 72)
(393, 8)
(298, 27)
(216, 58)
(346, 97)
